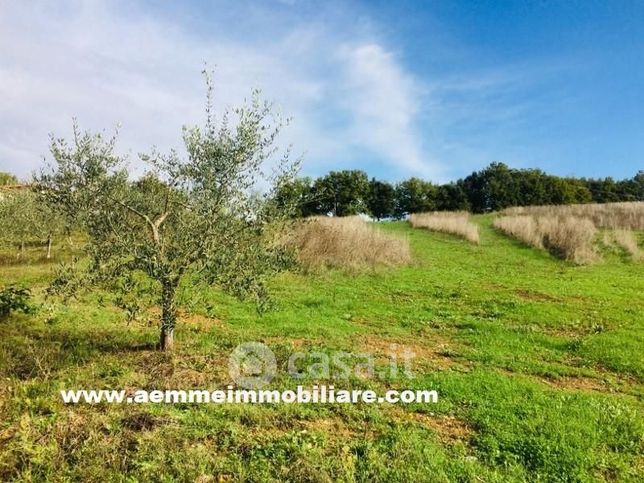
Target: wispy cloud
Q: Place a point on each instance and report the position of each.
(109, 63)
(383, 101)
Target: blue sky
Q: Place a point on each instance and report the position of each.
(435, 89)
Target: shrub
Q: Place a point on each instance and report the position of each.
(453, 222)
(14, 299)
(346, 242)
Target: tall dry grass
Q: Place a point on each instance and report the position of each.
(453, 222)
(566, 236)
(626, 239)
(347, 242)
(624, 215)
(521, 227)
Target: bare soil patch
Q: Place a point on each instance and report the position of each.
(535, 296)
(432, 351)
(330, 425)
(449, 429)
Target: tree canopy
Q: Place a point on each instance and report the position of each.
(491, 189)
(342, 193)
(7, 179)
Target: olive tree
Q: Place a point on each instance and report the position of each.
(208, 212)
(7, 179)
(24, 219)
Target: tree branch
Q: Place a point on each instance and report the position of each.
(146, 218)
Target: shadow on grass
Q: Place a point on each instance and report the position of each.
(29, 352)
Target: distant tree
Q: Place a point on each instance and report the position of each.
(382, 199)
(637, 186)
(564, 191)
(17, 212)
(531, 187)
(631, 189)
(452, 197)
(603, 190)
(498, 186)
(7, 179)
(476, 189)
(503, 186)
(415, 196)
(492, 189)
(299, 197)
(342, 193)
(200, 214)
(24, 219)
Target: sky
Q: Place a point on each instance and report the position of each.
(435, 89)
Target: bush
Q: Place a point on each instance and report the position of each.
(14, 299)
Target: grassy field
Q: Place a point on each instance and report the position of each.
(539, 366)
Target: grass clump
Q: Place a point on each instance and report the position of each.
(347, 242)
(566, 237)
(452, 222)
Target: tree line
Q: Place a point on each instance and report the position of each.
(494, 188)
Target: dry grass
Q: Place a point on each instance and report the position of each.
(453, 222)
(521, 227)
(626, 239)
(568, 230)
(347, 242)
(626, 215)
(567, 237)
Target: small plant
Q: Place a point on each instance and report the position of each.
(14, 299)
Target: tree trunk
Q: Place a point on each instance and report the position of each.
(168, 314)
(49, 242)
(167, 339)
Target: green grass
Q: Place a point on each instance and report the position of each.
(538, 363)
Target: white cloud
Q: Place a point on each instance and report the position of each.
(384, 101)
(109, 63)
